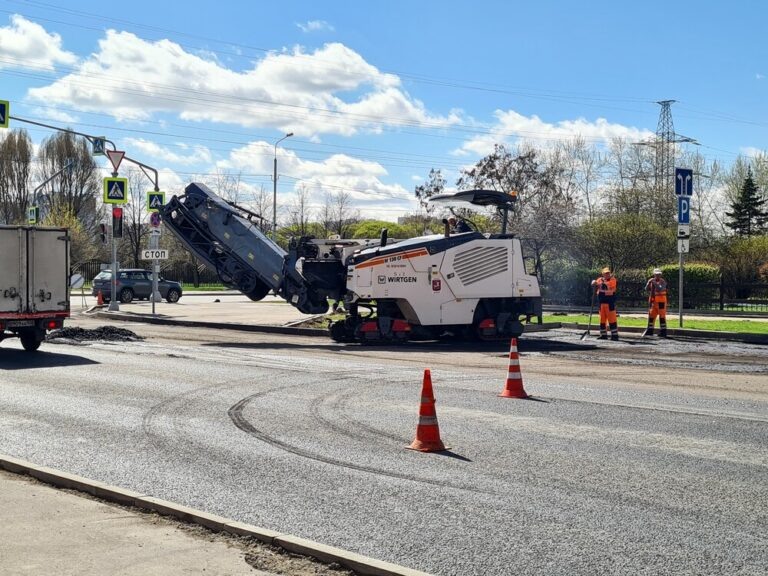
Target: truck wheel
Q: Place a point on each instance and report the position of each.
(30, 340)
(172, 295)
(126, 295)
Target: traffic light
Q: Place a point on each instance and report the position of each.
(117, 222)
(103, 233)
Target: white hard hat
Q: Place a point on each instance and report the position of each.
(656, 271)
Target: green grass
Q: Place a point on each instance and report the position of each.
(745, 326)
(204, 288)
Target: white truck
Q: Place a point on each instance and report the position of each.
(34, 282)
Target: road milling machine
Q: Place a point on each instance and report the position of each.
(468, 284)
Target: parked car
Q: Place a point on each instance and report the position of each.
(134, 283)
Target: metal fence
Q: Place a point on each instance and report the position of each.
(697, 295)
(184, 272)
(723, 296)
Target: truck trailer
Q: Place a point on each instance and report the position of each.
(34, 283)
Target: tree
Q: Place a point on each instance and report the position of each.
(434, 185)
(77, 188)
(372, 229)
(338, 215)
(747, 216)
(82, 246)
(624, 241)
(545, 201)
(15, 174)
(299, 212)
(135, 228)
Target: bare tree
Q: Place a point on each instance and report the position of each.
(78, 187)
(135, 228)
(582, 164)
(15, 175)
(261, 203)
(226, 184)
(342, 214)
(300, 214)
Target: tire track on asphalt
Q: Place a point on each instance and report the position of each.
(238, 418)
(339, 403)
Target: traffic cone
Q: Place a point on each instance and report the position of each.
(514, 386)
(427, 432)
(100, 299)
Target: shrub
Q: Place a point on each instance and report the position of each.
(701, 282)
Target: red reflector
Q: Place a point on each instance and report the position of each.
(401, 326)
(487, 323)
(369, 327)
(52, 324)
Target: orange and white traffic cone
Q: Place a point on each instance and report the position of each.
(100, 299)
(427, 432)
(514, 386)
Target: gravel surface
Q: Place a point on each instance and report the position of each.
(103, 333)
(656, 464)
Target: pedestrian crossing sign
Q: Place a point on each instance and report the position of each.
(155, 201)
(115, 190)
(5, 113)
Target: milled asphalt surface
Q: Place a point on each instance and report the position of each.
(589, 478)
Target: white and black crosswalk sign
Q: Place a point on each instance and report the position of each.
(155, 201)
(115, 190)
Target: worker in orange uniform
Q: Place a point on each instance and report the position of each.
(657, 303)
(605, 286)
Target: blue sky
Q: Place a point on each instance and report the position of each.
(377, 93)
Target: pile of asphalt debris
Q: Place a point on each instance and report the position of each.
(109, 333)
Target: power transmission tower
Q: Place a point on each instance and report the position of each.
(664, 144)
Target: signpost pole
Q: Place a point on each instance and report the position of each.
(680, 290)
(153, 244)
(113, 303)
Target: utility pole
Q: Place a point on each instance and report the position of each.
(664, 170)
(274, 189)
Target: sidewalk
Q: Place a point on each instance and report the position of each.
(46, 531)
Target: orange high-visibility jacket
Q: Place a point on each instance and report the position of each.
(657, 288)
(606, 287)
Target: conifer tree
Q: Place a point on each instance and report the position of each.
(748, 217)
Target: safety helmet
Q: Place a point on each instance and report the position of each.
(656, 271)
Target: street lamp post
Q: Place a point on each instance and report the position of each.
(274, 189)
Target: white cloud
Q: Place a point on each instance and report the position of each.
(752, 152)
(759, 76)
(25, 44)
(57, 115)
(315, 26)
(512, 126)
(330, 90)
(154, 153)
(360, 178)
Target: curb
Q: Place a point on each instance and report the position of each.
(327, 554)
(218, 325)
(686, 333)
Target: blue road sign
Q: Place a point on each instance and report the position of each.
(115, 190)
(683, 181)
(5, 113)
(155, 201)
(683, 209)
(99, 146)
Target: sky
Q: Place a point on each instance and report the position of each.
(378, 93)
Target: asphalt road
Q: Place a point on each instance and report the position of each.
(632, 458)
